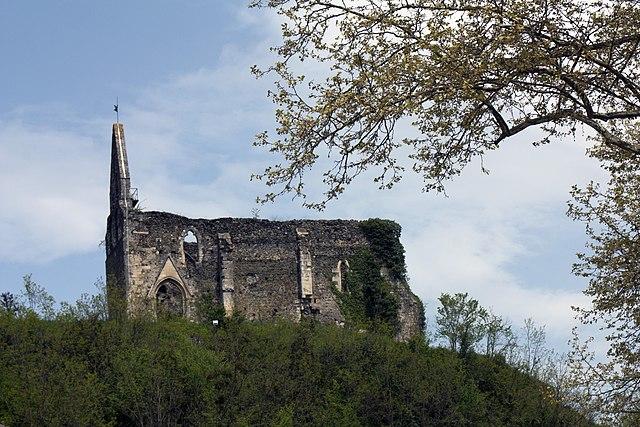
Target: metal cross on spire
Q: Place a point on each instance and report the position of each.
(116, 108)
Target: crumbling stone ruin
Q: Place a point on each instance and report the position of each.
(158, 262)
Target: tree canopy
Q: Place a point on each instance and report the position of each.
(72, 364)
(86, 371)
(611, 263)
(460, 321)
(467, 75)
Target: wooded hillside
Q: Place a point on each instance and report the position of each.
(95, 372)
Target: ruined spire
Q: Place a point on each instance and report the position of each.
(120, 192)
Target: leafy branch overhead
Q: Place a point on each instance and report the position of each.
(467, 75)
(612, 265)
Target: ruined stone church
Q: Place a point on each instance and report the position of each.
(261, 269)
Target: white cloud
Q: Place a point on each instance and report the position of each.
(53, 187)
(457, 255)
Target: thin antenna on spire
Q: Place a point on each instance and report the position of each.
(116, 108)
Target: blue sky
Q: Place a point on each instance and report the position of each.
(190, 109)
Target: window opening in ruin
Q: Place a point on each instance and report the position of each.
(190, 247)
(339, 275)
(169, 299)
(344, 269)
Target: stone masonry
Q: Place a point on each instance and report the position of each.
(158, 261)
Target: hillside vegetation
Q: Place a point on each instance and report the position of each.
(88, 371)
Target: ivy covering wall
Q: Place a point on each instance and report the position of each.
(367, 301)
(384, 240)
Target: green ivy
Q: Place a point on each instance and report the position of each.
(422, 317)
(383, 236)
(368, 301)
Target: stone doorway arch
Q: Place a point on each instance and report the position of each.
(170, 299)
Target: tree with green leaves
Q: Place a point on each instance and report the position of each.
(460, 321)
(466, 75)
(611, 263)
(9, 303)
(498, 336)
(533, 351)
(37, 299)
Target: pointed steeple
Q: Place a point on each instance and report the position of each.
(120, 191)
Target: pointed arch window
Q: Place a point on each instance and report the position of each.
(339, 275)
(190, 247)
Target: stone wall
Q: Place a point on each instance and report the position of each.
(261, 259)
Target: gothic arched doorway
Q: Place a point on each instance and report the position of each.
(169, 299)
